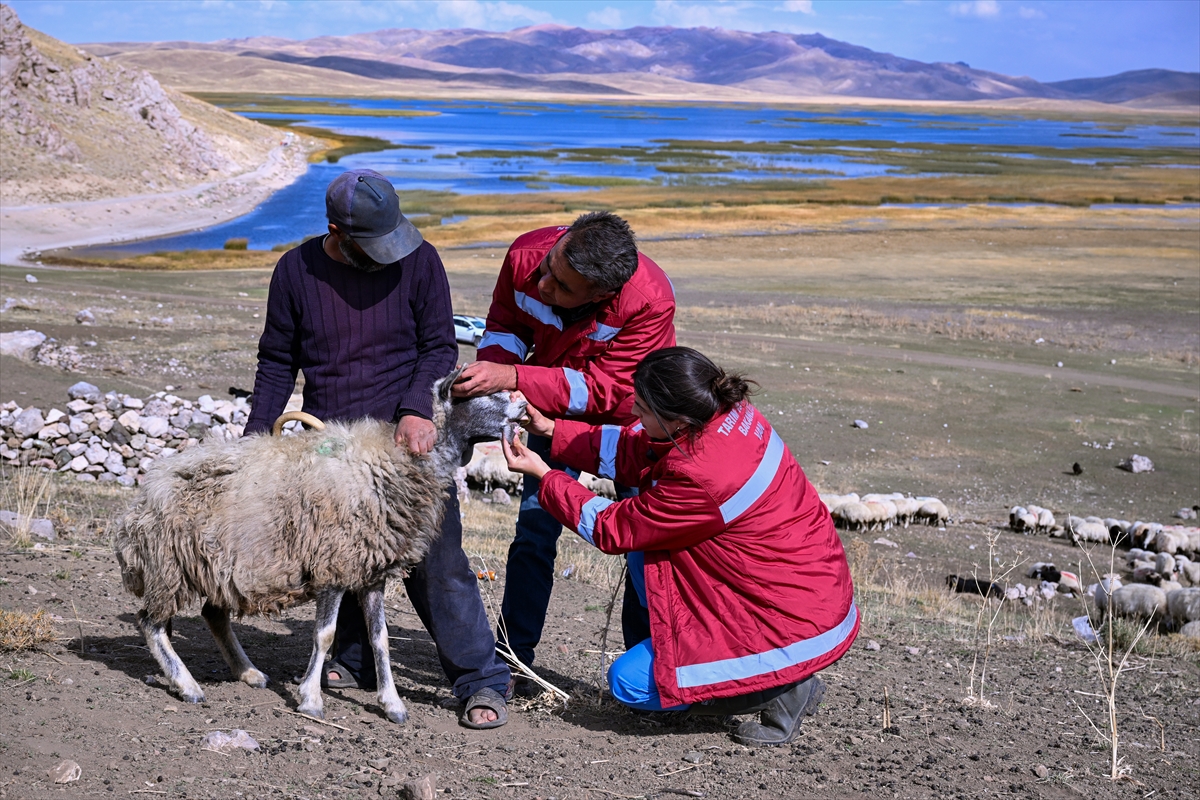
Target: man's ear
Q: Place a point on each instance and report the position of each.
(601, 297)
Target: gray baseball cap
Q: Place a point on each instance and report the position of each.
(363, 204)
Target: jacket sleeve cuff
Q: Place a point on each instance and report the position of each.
(420, 403)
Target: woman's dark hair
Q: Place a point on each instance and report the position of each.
(679, 383)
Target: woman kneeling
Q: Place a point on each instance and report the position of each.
(729, 547)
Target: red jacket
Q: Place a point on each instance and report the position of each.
(746, 579)
(584, 370)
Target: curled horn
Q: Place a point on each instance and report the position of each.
(305, 419)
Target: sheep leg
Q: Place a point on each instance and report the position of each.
(230, 647)
(177, 674)
(371, 600)
(324, 627)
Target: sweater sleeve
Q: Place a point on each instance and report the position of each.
(610, 451)
(278, 354)
(671, 515)
(436, 348)
(507, 339)
(604, 384)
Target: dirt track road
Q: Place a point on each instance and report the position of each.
(1073, 376)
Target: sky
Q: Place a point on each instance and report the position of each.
(1047, 40)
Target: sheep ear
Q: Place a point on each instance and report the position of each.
(441, 389)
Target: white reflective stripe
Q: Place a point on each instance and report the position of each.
(577, 404)
(637, 428)
(587, 517)
(609, 436)
(508, 341)
(603, 333)
(537, 309)
(758, 483)
(743, 667)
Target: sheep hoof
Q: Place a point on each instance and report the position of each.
(191, 697)
(253, 677)
(399, 717)
(312, 711)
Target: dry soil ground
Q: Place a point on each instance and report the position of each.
(927, 329)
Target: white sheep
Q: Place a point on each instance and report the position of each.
(1183, 606)
(932, 511)
(1191, 630)
(488, 469)
(603, 487)
(260, 524)
(1137, 600)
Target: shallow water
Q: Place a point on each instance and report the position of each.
(533, 139)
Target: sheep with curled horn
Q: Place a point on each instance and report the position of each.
(260, 524)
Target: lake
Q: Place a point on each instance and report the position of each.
(481, 147)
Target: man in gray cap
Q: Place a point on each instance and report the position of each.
(365, 313)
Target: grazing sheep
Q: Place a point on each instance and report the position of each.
(974, 586)
(1044, 571)
(1183, 606)
(853, 515)
(1087, 530)
(1100, 591)
(1191, 630)
(488, 469)
(260, 524)
(602, 487)
(932, 511)
(1137, 600)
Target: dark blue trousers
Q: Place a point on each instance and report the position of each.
(445, 594)
(529, 574)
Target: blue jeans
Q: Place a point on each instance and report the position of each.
(631, 677)
(529, 573)
(444, 592)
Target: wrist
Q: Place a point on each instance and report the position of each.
(513, 380)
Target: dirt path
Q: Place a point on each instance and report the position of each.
(958, 362)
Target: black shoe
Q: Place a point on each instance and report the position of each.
(522, 687)
(779, 722)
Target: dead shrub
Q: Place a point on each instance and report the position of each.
(22, 631)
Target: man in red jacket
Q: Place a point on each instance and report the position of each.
(574, 311)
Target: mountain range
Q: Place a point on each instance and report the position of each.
(649, 62)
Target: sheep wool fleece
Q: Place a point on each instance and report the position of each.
(583, 369)
(746, 579)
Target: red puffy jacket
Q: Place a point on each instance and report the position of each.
(746, 579)
(584, 370)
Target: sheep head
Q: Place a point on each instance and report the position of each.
(463, 421)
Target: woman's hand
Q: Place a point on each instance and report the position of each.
(539, 423)
(522, 459)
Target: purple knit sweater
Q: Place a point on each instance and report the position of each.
(370, 344)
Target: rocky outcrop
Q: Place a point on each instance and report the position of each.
(74, 126)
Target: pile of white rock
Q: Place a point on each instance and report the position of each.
(113, 437)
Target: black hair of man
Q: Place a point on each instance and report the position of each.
(601, 247)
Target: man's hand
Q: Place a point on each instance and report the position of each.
(522, 459)
(416, 433)
(485, 377)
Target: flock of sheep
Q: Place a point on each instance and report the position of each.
(1162, 581)
(883, 511)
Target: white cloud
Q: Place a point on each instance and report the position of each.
(698, 15)
(607, 17)
(1030, 13)
(976, 8)
(798, 6)
(486, 15)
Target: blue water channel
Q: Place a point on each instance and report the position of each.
(434, 151)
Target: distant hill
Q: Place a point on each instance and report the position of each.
(77, 127)
(1136, 85)
(554, 59)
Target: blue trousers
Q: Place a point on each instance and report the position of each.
(445, 594)
(631, 677)
(529, 573)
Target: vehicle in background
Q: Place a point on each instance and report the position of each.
(468, 330)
